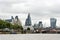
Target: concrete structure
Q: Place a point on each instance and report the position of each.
(25, 27)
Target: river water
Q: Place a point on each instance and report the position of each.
(30, 37)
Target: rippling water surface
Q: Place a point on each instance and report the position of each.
(30, 37)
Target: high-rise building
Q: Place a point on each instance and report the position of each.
(17, 21)
(9, 20)
(35, 26)
(40, 25)
(28, 21)
(12, 17)
(14, 20)
(53, 22)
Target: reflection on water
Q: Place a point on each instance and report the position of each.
(30, 37)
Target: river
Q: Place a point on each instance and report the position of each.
(30, 37)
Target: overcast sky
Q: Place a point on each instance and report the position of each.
(40, 10)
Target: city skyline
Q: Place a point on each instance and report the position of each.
(40, 10)
(38, 21)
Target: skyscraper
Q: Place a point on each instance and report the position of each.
(28, 21)
(14, 20)
(12, 17)
(9, 20)
(53, 22)
(17, 21)
(35, 26)
(40, 25)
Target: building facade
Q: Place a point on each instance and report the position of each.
(14, 20)
(10, 20)
(53, 22)
(17, 21)
(40, 25)
(28, 21)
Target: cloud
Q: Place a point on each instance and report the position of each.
(7, 5)
(39, 9)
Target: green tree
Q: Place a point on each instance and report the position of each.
(4, 24)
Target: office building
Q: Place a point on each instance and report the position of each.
(28, 21)
(40, 25)
(14, 20)
(17, 21)
(53, 22)
(35, 26)
(9, 20)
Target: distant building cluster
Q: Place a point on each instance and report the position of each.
(28, 22)
(14, 20)
(39, 27)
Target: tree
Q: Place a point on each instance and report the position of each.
(4, 24)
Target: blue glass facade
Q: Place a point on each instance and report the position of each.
(53, 22)
(28, 21)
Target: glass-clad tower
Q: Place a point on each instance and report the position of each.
(28, 21)
(53, 22)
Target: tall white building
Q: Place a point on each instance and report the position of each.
(17, 21)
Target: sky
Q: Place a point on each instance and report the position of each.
(40, 10)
